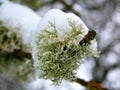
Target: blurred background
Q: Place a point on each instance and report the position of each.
(103, 16)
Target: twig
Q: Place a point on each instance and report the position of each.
(69, 7)
(92, 84)
(81, 81)
(21, 53)
(16, 53)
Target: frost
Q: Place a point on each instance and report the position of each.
(57, 52)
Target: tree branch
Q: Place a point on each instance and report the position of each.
(91, 84)
(21, 53)
(69, 7)
(82, 82)
(16, 53)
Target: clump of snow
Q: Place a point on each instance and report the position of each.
(61, 20)
(20, 19)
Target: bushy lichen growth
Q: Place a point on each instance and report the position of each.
(59, 56)
(12, 66)
(8, 40)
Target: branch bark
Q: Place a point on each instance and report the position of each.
(16, 53)
(91, 84)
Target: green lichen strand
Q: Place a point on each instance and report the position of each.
(59, 56)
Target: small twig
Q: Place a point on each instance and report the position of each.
(16, 53)
(21, 53)
(69, 7)
(81, 81)
(93, 84)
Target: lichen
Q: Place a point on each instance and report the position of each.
(59, 56)
(12, 66)
(8, 39)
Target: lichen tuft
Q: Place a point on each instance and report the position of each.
(59, 57)
(12, 66)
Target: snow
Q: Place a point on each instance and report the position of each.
(20, 19)
(61, 20)
(39, 84)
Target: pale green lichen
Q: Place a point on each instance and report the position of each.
(8, 40)
(60, 56)
(12, 66)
